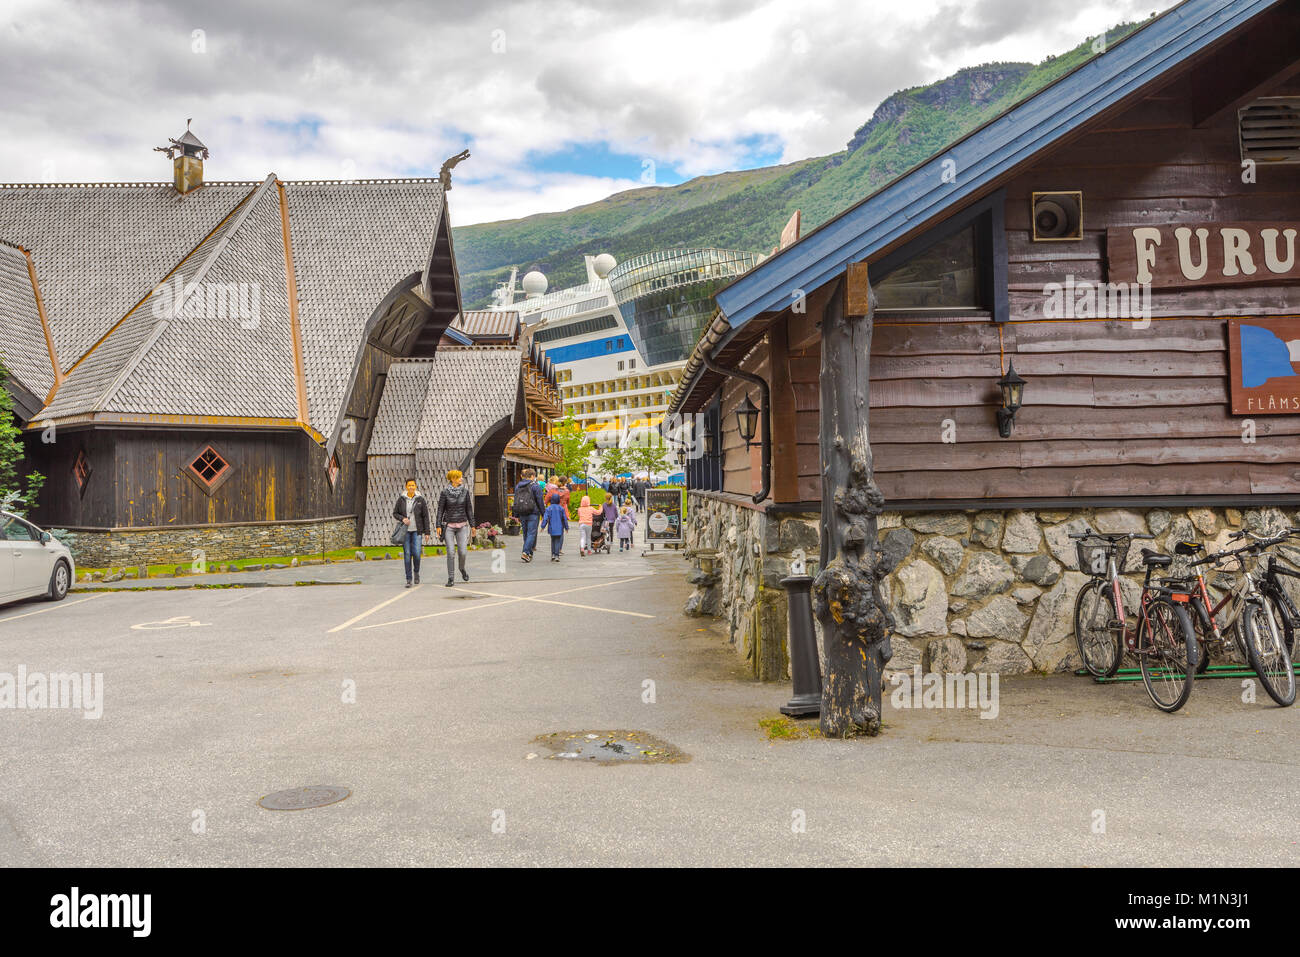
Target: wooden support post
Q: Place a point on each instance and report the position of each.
(846, 594)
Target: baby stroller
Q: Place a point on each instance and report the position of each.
(599, 534)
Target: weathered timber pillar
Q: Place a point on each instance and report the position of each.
(846, 593)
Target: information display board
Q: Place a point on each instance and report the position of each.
(663, 515)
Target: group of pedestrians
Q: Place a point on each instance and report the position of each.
(538, 507)
(455, 518)
(545, 508)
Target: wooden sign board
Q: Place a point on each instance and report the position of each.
(480, 481)
(663, 514)
(1208, 254)
(1264, 366)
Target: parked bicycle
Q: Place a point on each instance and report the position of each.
(1251, 607)
(1162, 637)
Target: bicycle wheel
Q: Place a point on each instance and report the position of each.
(1266, 650)
(1286, 616)
(1167, 654)
(1094, 610)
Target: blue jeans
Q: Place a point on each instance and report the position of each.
(557, 543)
(528, 525)
(412, 549)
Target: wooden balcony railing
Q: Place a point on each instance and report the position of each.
(536, 445)
(540, 390)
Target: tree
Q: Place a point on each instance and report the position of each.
(575, 447)
(12, 492)
(650, 457)
(615, 460)
(846, 593)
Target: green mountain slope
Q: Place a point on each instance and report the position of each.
(746, 209)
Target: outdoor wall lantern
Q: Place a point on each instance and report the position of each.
(1013, 391)
(747, 421)
(710, 442)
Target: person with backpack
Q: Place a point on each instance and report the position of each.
(456, 516)
(556, 523)
(529, 505)
(413, 512)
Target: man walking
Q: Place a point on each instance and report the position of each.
(528, 509)
(413, 512)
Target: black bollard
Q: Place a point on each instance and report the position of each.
(805, 668)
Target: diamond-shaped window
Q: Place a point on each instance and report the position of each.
(209, 466)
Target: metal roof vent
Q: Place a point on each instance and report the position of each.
(1270, 130)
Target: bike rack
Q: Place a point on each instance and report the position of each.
(1213, 671)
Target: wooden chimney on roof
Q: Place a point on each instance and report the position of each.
(187, 155)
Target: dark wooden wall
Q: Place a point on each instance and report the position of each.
(138, 478)
(1110, 409)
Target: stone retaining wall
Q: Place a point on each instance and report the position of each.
(988, 591)
(127, 546)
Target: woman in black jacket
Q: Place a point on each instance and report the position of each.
(456, 516)
(413, 512)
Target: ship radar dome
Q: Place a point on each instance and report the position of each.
(604, 264)
(534, 283)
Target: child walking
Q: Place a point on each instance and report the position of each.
(556, 523)
(623, 525)
(585, 514)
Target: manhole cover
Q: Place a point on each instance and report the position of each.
(299, 799)
(611, 747)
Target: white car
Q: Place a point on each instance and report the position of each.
(32, 562)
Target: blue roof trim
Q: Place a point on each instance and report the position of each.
(1036, 124)
(455, 335)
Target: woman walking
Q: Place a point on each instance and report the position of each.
(412, 511)
(556, 523)
(609, 515)
(585, 515)
(455, 519)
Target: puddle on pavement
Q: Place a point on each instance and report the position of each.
(611, 747)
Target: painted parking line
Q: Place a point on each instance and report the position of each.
(54, 607)
(383, 604)
(512, 599)
(436, 614)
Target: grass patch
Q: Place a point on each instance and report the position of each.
(340, 554)
(783, 729)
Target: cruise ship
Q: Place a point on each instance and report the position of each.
(619, 341)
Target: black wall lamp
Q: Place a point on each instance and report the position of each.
(1013, 392)
(710, 442)
(747, 421)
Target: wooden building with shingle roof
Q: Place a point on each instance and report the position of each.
(200, 365)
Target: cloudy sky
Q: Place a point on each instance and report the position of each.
(561, 102)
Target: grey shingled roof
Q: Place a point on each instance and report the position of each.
(447, 403)
(208, 359)
(398, 420)
(22, 340)
(99, 249)
(432, 415)
(351, 243)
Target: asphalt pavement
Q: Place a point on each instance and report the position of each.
(427, 703)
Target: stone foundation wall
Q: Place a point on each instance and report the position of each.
(219, 542)
(988, 591)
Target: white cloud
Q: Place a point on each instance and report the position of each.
(331, 89)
